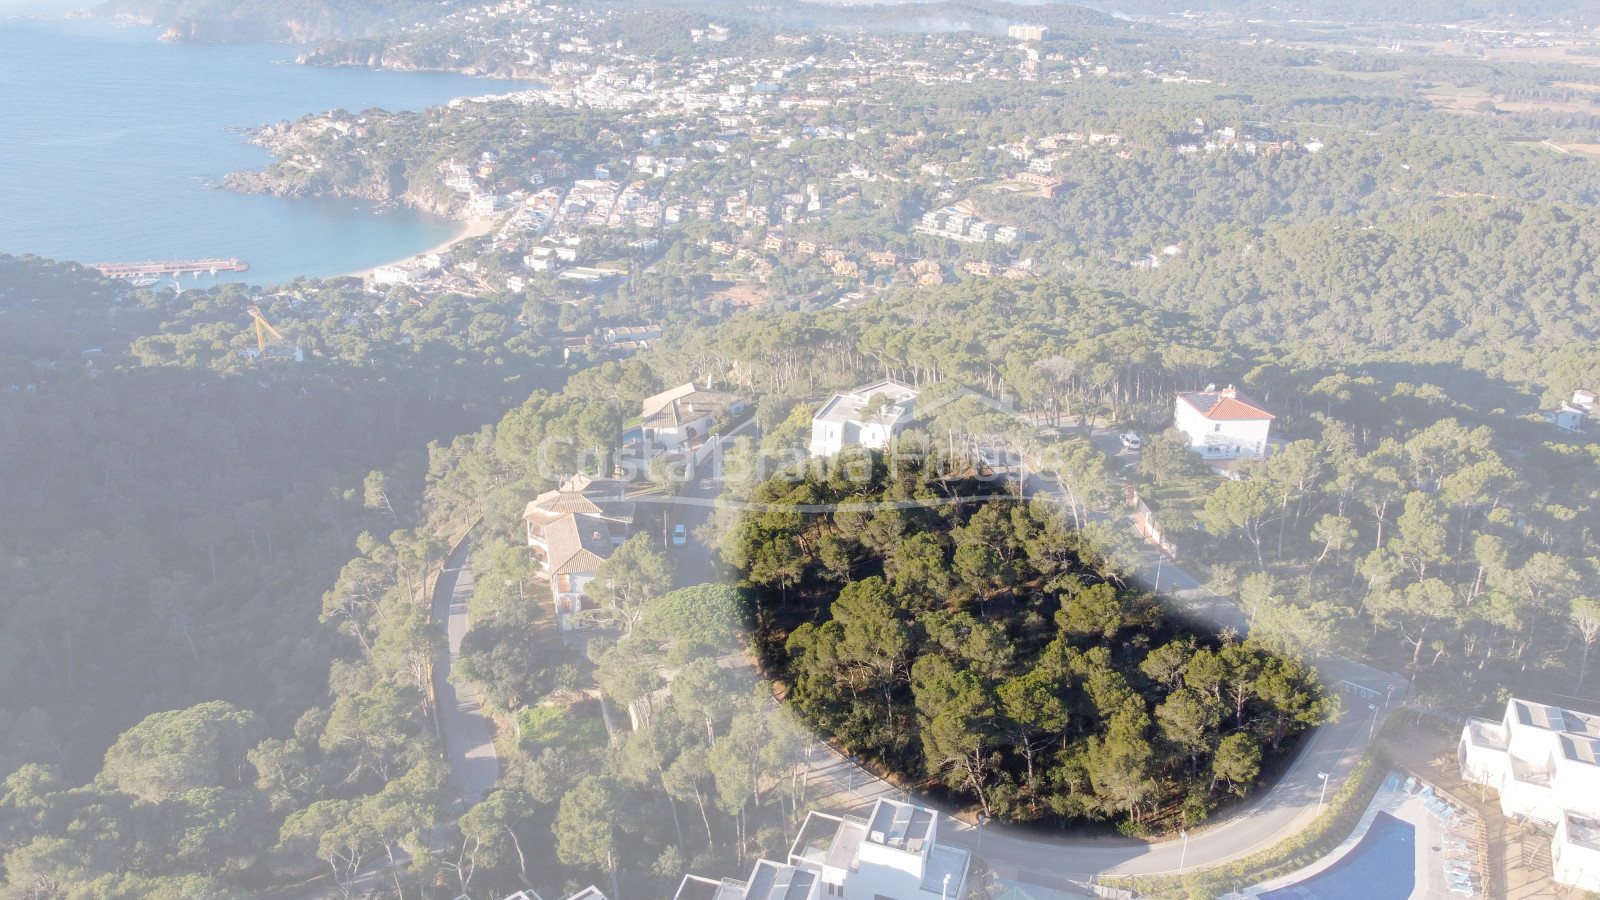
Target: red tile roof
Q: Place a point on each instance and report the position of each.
(1229, 404)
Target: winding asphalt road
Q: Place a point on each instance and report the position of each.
(468, 739)
(1033, 857)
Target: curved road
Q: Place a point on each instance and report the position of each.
(1285, 809)
(1033, 857)
(1066, 862)
(468, 739)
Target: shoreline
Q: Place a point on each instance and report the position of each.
(475, 227)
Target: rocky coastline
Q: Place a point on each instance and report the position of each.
(381, 188)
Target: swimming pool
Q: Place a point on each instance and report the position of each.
(1382, 866)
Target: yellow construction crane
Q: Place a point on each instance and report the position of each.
(261, 337)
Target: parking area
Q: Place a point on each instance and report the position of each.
(1110, 442)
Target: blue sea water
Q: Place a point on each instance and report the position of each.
(109, 139)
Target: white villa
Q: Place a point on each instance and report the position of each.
(573, 529)
(1545, 763)
(1575, 413)
(673, 419)
(893, 852)
(1223, 424)
(839, 423)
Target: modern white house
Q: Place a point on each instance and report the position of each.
(1223, 424)
(1575, 413)
(1575, 852)
(571, 530)
(768, 881)
(589, 893)
(840, 422)
(892, 853)
(1545, 763)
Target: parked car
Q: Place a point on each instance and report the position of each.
(1130, 441)
(678, 537)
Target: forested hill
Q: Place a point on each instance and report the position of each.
(1362, 10)
(984, 16)
(173, 510)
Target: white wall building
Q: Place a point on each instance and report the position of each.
(589, 893)
(892, 853)
(1545, 763)
(839, 423)
(1575, 852)
(399, 273)
(676, 418)
(1575, 413)
(1223, 424)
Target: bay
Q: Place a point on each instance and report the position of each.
(110, 140)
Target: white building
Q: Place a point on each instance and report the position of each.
(674, 419)
(484, 205)
(840, 422)
(892, 853)
(1223, 424)
(1545, 763)
(589, 893)
(1574, 413)
(1575, 852)
(399, 273)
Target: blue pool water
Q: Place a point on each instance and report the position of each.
(1382, 866)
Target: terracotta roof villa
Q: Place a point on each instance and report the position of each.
(573, 529)
(1223, 424)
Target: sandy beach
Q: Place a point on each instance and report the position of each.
(470, 228)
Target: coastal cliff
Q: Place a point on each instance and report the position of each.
(420, 54)
(308, 165)
(292, 21)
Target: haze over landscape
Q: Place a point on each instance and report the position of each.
(723, 451)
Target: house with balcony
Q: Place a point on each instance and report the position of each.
(1544, 761)
(571, 530)
(1223, 425)
(1575, 852)
(894, 851)
(870, 415)
(680, 418)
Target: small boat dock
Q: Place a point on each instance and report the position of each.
(170, 267)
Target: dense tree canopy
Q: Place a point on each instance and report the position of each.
(952, 632)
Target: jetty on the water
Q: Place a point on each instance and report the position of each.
(170, 267)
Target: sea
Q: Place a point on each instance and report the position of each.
(111, 142)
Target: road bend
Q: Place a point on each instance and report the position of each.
(1325, 758)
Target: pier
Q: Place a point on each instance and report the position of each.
(170, 267)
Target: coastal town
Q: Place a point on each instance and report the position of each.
(736, 167)
(742, 451)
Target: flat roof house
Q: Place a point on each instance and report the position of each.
(589, 893)
(893, 852)
(1545, 763)
(840, 423)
